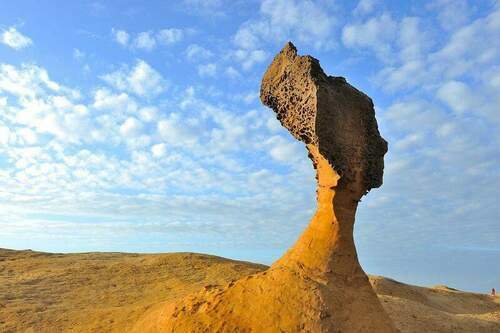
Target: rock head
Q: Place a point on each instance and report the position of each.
(318, 285)
(327, 112)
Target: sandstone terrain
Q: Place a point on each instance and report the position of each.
(109, 292)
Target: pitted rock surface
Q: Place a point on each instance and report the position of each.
(328, 112)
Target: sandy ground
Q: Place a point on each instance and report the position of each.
(109, 292)
(438, 309)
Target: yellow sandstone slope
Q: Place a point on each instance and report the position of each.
(109, 292)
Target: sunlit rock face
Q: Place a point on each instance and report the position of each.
(327, 112)
(318, 284)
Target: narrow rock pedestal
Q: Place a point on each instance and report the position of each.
(318, 285)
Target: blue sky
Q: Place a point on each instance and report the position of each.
(136, 126)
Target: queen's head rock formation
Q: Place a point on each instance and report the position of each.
(318, 285)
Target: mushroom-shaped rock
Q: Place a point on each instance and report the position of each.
(318, 285)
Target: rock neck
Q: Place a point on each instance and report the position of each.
(327, 247)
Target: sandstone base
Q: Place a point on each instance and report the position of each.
(277, 300)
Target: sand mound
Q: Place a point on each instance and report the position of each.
(109, 292)
(438, 309)
(100, 292)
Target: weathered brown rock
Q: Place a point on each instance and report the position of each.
(327, 112)
(318, 285)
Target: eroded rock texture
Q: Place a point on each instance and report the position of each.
(327, 112)
(318, 285)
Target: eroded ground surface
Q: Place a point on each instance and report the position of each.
(109, 292)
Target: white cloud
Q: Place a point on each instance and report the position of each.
(131, 127)
(106, 100)
(196, 52)
(247, 98)
(121, 36)
(78, 54)
(423, 115)
(29, 80)
(203, 143)
(473, 45)
(365, 7)
(249, 58)
(285, 151)
(159, 150)
(52, 123)
(248, 36)
(273, 125)
(148, 113)
(67, 125)
(14, 39)
(406, 56)
(4, 135)
(42, 105)
(451, 13)
(207, 70)
(232, 72)
(469, 51)
(402, 46)
(279, 21)
(148, 40)
(145, 41)
(412, 39)
(169, 36)
(446, 130)
(229, 132)
(409, 141)
(138, 142)
(28, 136)
(395, 78)
(376, 34)
(176, 132)
(305, 20)
(141, 80)
(457, 96)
